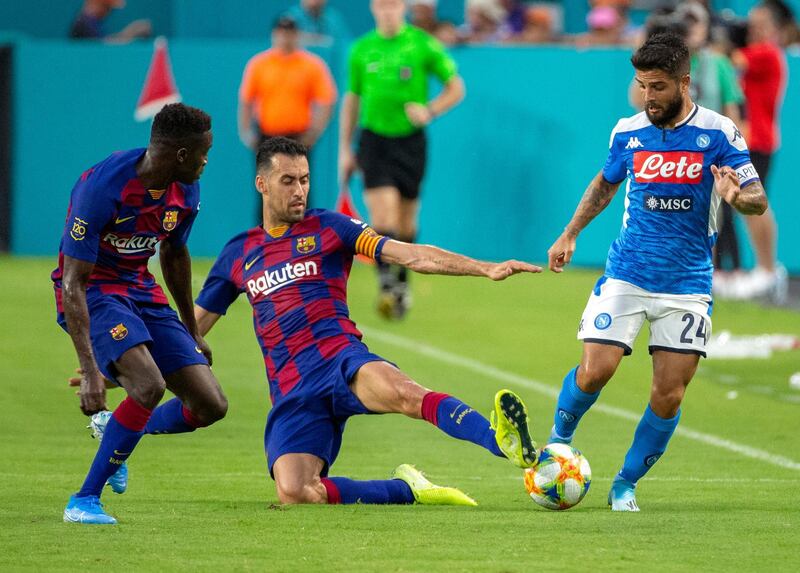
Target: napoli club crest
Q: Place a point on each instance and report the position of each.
(170, 219)
(602, 321)
(306, 245)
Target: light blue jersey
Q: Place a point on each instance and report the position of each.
(670, 220)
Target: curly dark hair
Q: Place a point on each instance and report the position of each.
(176, 122)
(666, 52)
(272, 146)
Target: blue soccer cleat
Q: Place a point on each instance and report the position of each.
(622, 496)
(97, 423)
(87, 510)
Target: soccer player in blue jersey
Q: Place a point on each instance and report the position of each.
(117, 316)
(294, 272)
(680, 160)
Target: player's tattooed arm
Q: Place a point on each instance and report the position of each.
(751, 200)
(76, 312)
(430, 260)
(596, 198)
(176, 265)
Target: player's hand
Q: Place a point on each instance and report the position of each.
(92, 392)
(75, 381)
(560, 254)
(203, 346)
(726, 183)
(501, 271)
(347, 166)
(419, 115)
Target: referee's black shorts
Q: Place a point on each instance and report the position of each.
(762, 161)
(393, 161)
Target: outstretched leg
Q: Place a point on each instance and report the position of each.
(199, 402)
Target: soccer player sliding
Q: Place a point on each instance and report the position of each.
(680, 160)
(294, 272)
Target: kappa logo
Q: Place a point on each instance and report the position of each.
(119, 332)
(634, 143)
(271, 280)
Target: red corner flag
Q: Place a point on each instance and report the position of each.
(345, 205)
(159, 85)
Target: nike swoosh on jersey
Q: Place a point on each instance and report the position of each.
(250, 264)
(123, 219)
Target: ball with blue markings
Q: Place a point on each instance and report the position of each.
(561, 478)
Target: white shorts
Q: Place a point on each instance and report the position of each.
(617, 309)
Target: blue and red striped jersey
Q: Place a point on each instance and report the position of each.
(114, 222)
(295, 278)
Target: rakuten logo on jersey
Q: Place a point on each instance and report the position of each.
(133, 244)
(270, 281)
(667, 167)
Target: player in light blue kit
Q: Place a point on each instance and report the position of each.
(680, 161)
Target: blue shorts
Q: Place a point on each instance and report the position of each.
(117, 324)
(310, 419)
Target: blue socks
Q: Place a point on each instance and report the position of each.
(573, 403)
(346, 491)
(649, 442)
(123, 431)
(457, 419)
(169, 418)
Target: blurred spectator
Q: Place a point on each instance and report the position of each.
(88, 24)
(764, 77)
(319, 24)
(539, 26)
(285, 91)
(514, 21)
(422, 14)
(483, 22)
(606, 27)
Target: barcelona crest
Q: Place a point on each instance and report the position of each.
(119, 332)
(306, 245)
(170, 219)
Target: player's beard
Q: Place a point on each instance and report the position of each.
(666, 114)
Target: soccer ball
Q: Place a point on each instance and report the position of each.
(561, 478)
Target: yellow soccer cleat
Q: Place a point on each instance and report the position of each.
(510, 424)
(427, 493)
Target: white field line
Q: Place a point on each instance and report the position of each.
(490, 371)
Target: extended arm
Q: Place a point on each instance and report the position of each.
(246, 134)
(76, 311)
(205, 319)
(431, 260)
(176, 264)
(752, 200)
(320, 119)
(596, 198)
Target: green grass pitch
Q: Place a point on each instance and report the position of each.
(716, 501)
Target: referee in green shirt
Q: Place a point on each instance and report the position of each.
(387, 97)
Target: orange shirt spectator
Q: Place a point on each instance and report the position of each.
(285, 90)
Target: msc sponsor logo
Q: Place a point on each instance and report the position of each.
(307, 245)
(170, 219)
(271, 280)
(668, 204)
(668, 167)
(78, 231)
(128, 245)
(119, 332)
